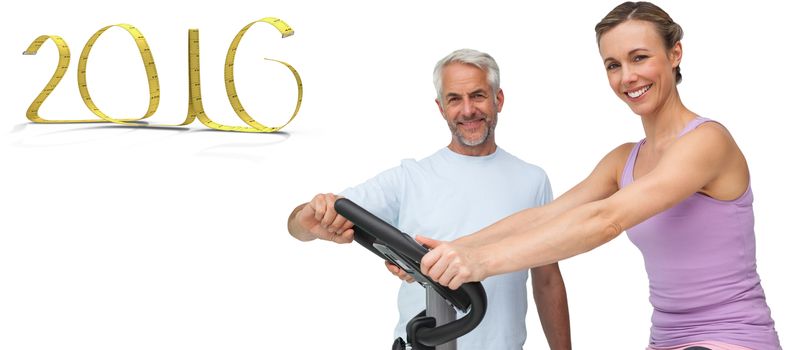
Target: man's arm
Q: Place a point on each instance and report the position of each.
(550, 298)
(296, 229)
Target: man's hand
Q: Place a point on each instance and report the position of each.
(396, 271)
(321, 220)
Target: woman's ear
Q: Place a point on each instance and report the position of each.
(675, 54)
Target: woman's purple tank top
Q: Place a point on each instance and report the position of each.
(700, 260)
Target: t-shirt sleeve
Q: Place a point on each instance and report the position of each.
(545, 191)
(379, 195)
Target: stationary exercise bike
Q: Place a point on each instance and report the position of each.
(435, 328)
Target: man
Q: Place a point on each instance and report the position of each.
(456, 191)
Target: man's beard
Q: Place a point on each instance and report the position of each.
(489, 128)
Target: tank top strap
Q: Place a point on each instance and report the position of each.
(627, 176)
(693, 124)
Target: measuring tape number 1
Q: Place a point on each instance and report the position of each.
(195, 111)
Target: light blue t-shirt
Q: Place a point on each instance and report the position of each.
(446, 196)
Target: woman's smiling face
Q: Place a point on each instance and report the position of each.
(640, 69)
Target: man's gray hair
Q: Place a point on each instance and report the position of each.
(479, 59)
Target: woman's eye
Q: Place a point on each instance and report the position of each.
(612, 66)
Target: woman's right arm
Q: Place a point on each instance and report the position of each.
(601, 183)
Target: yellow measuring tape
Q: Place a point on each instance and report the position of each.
(229, 79)
(150, 71)
(60, 71)
(196, 110)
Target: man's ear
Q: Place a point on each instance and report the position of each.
(440, 108)
(499, 96)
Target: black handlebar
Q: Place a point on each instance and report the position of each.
(400, 249)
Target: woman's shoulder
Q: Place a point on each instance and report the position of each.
(612, 165)
(620, 154)
(713, 127)
(710, 133)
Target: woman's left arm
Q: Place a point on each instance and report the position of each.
(688, 166)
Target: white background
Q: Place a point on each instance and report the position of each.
(127, 238)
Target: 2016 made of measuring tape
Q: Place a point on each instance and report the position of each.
(195, 111)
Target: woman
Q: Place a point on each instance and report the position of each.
(682, 193)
